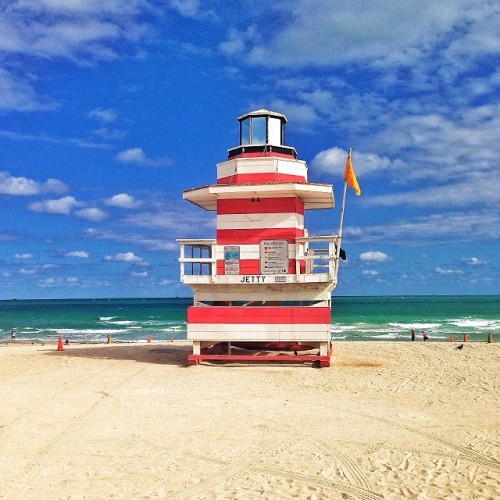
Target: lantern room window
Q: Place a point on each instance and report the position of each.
(260, 130)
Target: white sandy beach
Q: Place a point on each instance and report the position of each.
(386, 420)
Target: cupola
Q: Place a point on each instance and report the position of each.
(262, 133)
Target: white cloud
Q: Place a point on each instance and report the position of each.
(138, 157)
(73, 30)
(93, 214)
(319, 35)
(142, 274)
(441, 270)
(23, 256)
(151, 244)
(21, 186)
(108, 115)
(123, 257)
(110, 134)
(370, 272)
(332, 161)
(187, 8)
(123, 200)
(62, 206)
(72, 141)
(18, 94)
(431, 229)
(79, 31)
(27, 272)
(473, 261)
(236, 42)
(54, 186)
(475, 189)
(79, 254)
(374, 256)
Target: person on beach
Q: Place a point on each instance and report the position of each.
(413, 335)
(13, 334)
(425, 336)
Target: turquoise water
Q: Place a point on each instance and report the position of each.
(353, 318)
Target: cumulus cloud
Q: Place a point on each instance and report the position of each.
(187, 8)
(332, 161)
(22, 186)
(123, 200)
(123, 257)
(136, 156)
(374, 256)
(78, 254)
(62, 206)
(92, 213)
(370, 272)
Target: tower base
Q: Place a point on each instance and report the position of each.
(258, 352)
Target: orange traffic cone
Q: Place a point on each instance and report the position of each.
(466, 339)
(60, 344)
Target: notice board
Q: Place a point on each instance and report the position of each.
(274, 257)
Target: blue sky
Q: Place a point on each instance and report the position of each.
(109, 109)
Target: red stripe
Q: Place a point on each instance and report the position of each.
(252, 266)
(259, 315)
(260, 205)
(265, 177)
(253, 236)
(262, 153)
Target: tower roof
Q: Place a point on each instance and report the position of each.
(263, 112)
(314, 196)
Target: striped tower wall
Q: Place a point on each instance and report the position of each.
(246, 222)
(276, 324)
(247, 170)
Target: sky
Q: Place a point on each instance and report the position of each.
(110, 109)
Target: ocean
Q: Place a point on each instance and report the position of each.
(353, 318)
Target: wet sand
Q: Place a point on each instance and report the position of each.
(386, 420)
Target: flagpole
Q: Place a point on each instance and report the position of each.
(342, 210)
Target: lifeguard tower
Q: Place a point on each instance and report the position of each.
(262, 288)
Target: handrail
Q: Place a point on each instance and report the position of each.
(312, 255)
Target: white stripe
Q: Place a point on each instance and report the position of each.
(262, 166)
(245, 332)
(260, 221)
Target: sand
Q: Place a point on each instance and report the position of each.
(386, 420)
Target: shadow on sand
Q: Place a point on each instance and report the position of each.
(148, 353)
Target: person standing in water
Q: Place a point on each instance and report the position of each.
(413, 335)
(425, 336)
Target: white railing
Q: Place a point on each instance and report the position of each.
(316, 259)
(317, 255)
(198, 258)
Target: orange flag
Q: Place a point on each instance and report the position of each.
(350, 176)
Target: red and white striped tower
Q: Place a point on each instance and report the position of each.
(262, 284)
